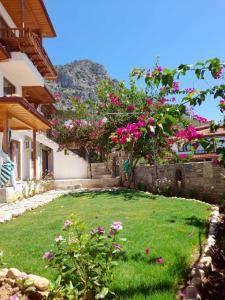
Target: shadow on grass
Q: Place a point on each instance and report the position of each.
(145, 290)
(126, 194)
(138, 257)
(190, 221)
(194, 221)
(178, 269)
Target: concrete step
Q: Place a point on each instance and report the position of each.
(87, 183)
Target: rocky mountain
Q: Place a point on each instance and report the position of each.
(78, 78)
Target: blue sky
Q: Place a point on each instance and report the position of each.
(122, 34)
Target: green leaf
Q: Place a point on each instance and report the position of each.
(102, 294)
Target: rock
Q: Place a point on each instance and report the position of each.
(191, 293)
(13, 273)
(40, 283)
(9, 281)
(3, 273)
(206, 261)
(78, 78)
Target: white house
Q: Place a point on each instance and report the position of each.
(24, 99)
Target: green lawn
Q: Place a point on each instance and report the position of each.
(172, 228)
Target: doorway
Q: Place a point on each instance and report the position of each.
(44, 162)
(16, 158)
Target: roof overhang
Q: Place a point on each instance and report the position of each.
(21, 70)
(37, 94)
(35, 16)
(206, 132)
(22, 115)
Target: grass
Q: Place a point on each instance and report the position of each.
(173, 229)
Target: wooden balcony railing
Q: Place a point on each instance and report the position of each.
(27, 41)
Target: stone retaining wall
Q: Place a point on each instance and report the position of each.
(200, 180)
(18, 285)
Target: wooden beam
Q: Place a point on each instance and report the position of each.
(35, 154)
(5, 144)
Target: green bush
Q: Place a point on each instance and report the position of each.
(84, 261)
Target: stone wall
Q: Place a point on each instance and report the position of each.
(200, 180)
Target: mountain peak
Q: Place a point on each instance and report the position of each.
(78, 78)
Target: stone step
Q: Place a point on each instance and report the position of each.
(102, 176)
(69, 187)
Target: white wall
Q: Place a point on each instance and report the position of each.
(69, 166)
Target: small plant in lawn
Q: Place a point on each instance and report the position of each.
(84, 261)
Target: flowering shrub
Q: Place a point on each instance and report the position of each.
(84, 261)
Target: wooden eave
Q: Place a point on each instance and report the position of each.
(26, 41)
(35, 16)
(37, 94)
(22, 115)
(4, 54)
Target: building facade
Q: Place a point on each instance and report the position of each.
(24, 98)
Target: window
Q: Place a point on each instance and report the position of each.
(9, 88)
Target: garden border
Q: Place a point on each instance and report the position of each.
(204, 265)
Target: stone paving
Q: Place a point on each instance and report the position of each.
(8, 211)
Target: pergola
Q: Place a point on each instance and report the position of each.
(18, 114)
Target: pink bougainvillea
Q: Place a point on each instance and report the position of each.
(189, 134)
(114, 100)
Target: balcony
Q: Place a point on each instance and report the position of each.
(26, 41)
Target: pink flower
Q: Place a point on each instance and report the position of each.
(132, 127)
(147, 250)
(55, 122)
(115, 227)
(57, 96)
(123, 139)
(189, 134)
(141, 123)
(130, 108)
(99, 230)
(160, 69)
(119, 131)
(195, 146)
(48, 255)
(149, 101)
(137, 134)
(183, 156)
(218, 76)
(161, 101)
(183, 294)
(114, 139)
(159, 260)
(151, 121)
(67, 224)
(59, 238)
(14, 297)
(200, 119)
(117, 247)
(175, 86)
(115, 100)
(190, 90)
(215, 162)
